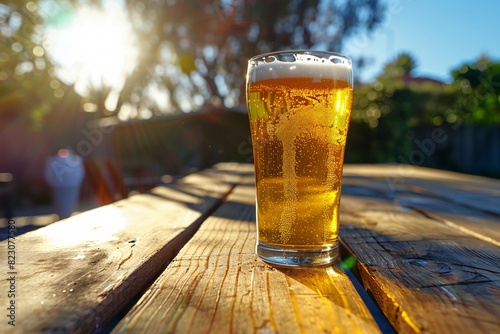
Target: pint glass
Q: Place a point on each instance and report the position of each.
(299, 105)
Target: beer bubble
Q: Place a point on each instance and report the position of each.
(305, 66)
(335, 60)
(299, 127)
(270, 59)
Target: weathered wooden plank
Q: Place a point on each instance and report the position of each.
(216, 284)
(477, 192)
(437, 198)
(426, 276)
(474, 222)
(473, 195)
(401, 172)
(76, 275)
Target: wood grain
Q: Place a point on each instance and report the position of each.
(476, 192)
(426, 244)
(77, 274)
(467, 203)
(431, 263)
(216, 284)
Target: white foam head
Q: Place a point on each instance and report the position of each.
(296, 64)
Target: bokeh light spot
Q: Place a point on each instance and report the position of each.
(54, 84)
(17, 47)
(378, 86)
(451, 118)
(59, 93)
(437, 121)
(38, 51)
(90, 107)
(31, 6)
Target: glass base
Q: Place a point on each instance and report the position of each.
(289, 258)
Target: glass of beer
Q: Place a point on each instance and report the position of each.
(299, 106)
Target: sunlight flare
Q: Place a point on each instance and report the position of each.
(94, 48)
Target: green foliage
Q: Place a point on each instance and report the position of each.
(387, 112)
(195, 50)
(402, 66)
(29, 90)
(478, 92)
(205, 44)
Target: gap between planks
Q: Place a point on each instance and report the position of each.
(217, 284)
(77, 274)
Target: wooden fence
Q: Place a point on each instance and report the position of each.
(472, 149)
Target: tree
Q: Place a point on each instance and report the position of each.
(387, 111)
(195, 51)
(478, 89)
(400, 68)
(201, 46)
(28, 87)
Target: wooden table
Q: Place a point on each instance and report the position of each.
(420, 254)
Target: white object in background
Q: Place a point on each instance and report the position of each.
(64, 173)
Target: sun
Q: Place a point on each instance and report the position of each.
(95, 48)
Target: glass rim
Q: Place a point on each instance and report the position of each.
(304, 52)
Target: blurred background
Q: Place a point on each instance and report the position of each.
(145, 91)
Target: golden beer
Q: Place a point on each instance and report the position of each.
(299, 117)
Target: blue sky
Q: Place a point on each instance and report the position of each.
(440, 34)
